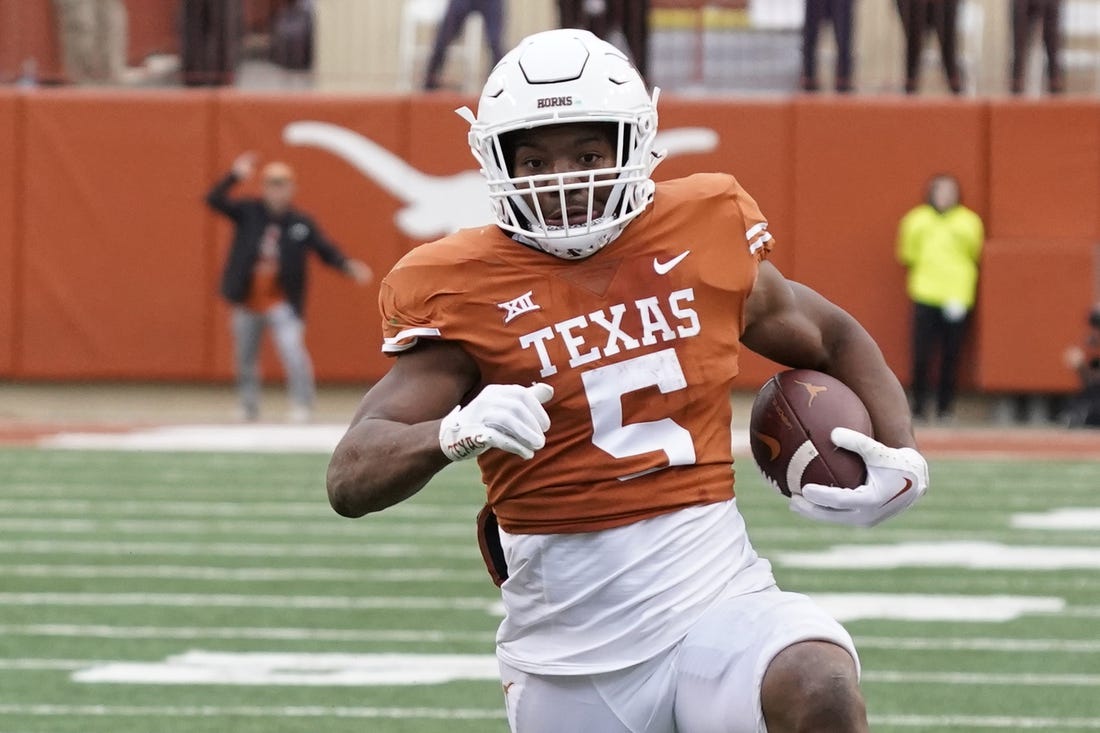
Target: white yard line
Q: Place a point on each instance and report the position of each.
(794, 535)
(252, 510)
(256, 438)
(967, 554)
(1082, 611)
(803, 581)
(237, 549)
(1035, 502)
(39, 665)
(807, 581)
(926, 722)
(401, 525)
(938, 722)
(1061, 519)
(195, 487)
(935, 607)
(473, 666)
(191, 572)
(873, 676)
(328, 527)
(296, 669)
(843, 606)
(232, 633)
(226, 600)
(248, 711)
(1038, 646)
(176, 507)
(459, 534)
(28, 488)
(1023, 679)
(1035, 646)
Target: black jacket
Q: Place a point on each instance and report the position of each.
(299, 235)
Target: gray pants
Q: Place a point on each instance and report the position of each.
(288, 330)
(93, 37)
(454, 19)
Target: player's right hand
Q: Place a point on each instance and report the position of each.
(504, 416)
(244, 165)
(896, 477)
(1074, 357)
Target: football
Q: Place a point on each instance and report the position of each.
(792, 418)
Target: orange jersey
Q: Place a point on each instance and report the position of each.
(640, 342)
(265, 290)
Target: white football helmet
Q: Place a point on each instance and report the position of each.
(558, 77)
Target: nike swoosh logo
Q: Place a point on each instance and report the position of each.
(662, 268)
(908, 485)
(772, 443)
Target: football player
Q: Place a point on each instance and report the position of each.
(582, 349)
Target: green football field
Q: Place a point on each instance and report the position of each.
(171, 592)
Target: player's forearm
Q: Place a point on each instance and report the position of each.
(855, 359)
(217, 197)
(380, 463)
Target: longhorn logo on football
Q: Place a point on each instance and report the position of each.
(813, 389)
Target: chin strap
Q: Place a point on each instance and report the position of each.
(576, 247)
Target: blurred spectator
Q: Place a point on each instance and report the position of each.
(917, 18)
(292, 36)
(608, 18)
(492, 11)
(211, 41)
(265, 280)
(1084, 408)
(1025, 15)
(940, 243)
(93, 39)
(839, 14)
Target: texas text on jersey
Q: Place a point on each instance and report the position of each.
(620, 336)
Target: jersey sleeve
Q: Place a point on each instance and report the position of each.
(908, 244)
(407, 314)
(977, 236)
(757, 237)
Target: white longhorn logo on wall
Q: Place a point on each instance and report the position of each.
(435, 206)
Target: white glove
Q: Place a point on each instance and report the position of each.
(504, 416)
(896, 477)
(954, 311)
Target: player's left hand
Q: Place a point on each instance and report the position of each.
(359, 271)
(1074, 357)
(896, 477)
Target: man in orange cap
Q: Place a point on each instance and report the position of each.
(265, 279)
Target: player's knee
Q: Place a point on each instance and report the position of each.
(812, 686)
(830, 704)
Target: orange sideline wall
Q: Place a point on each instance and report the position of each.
(113, 261)
(9, 170)
(28, 30)
(109, 261)
(858, 169)
(1039, 271)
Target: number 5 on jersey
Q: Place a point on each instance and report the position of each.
(605, 386)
